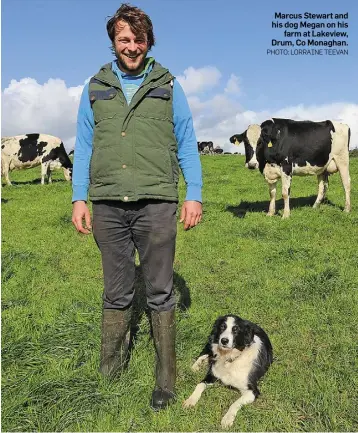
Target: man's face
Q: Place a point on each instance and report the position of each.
(130, 49)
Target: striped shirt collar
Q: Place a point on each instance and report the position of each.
(149, 63)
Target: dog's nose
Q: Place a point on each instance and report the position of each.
(224, 341)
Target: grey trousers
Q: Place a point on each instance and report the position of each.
(150, 227)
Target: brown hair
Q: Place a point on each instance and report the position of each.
(138, 21)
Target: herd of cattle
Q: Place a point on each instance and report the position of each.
(279, 148)
(207, 148)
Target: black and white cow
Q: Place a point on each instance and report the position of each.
(205, 147)
(31, 150)
(281, 148)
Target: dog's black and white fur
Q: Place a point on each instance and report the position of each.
(238, 353)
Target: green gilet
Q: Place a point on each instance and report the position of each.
(134, 147)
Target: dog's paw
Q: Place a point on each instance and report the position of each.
(196, 366)
(199, 362)
(189, 402)
(228, 420)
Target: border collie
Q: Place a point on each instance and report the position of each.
(238, 354)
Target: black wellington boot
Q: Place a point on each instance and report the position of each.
(163, 324)
(114, 341)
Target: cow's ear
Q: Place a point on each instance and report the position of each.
(275, 134)
(266, 131)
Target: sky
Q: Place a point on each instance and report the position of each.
(216, 49)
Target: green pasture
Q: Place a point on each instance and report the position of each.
(297, 278)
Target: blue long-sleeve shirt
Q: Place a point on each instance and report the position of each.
(188, 156)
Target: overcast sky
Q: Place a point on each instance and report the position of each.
(216, 49)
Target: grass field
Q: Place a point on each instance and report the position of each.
(297, 278)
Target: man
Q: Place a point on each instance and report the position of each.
(134, 127)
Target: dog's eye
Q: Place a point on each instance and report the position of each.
(223, 326)
(235, 328)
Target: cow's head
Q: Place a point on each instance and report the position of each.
(267, 150)
(67, 172)
(66, 167)
(250, 139)
(270, 132)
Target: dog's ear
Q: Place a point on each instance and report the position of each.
(215, 327)
(218, 320)
(248, 335)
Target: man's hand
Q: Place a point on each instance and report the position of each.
(80, 211)
(191, 213)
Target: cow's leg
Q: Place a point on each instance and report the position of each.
(343, 168)
(272, 190)
(7, 178)
(8, 181)
(49, 173)
(45, 166)
(5, 169)
(322, 188)
(286, 184)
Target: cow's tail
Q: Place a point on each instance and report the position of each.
(349, 136)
